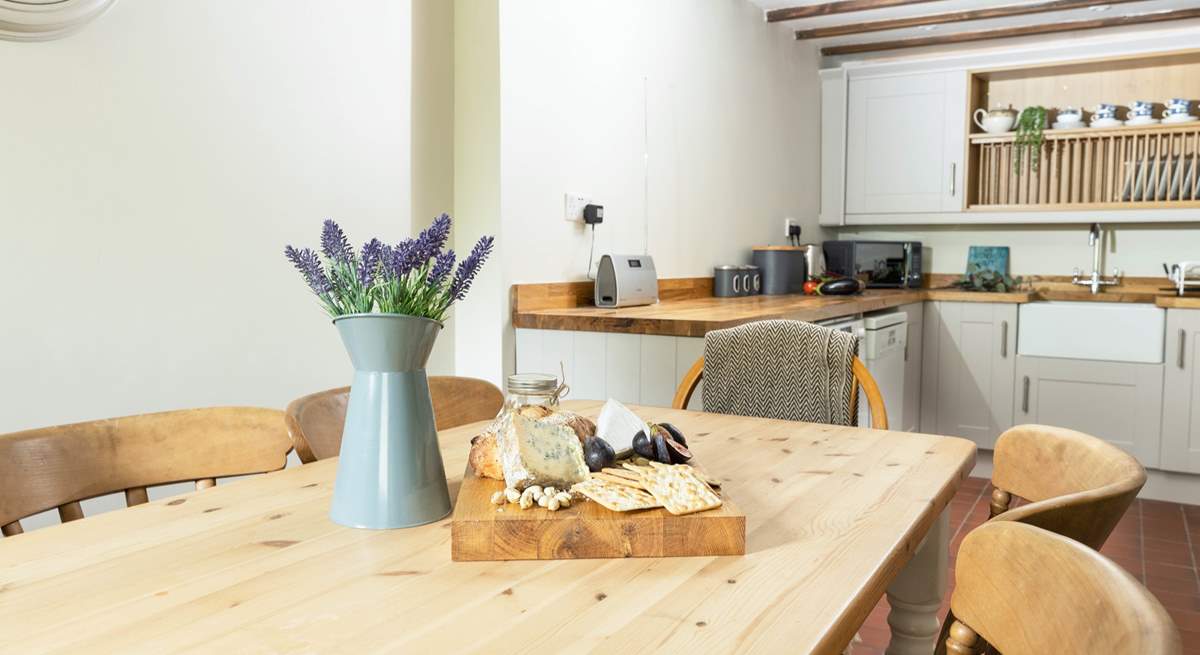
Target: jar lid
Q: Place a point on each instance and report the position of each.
(532, 383)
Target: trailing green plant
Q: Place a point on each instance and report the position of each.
(986, 280)
(1029, 136)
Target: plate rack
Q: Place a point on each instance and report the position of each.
(1088, 168)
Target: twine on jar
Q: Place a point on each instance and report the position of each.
(563, 389)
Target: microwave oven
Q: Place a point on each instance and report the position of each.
(886, 264)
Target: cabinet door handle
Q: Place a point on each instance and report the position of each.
(1182, 336)
(1025, 396)
(1004, 339)
(953, 174)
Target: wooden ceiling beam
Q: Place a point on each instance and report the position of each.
(1011, 32)
(952, 17)
(831, 8)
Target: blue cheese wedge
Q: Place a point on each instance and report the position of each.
(541, 452)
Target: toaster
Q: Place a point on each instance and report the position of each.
(625, 281)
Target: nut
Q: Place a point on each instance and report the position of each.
(544, 501)
(535, 490)
(549, 491)
(526, 502)
(512, 495)
(498, 498)
(563, 498)
(552, 504)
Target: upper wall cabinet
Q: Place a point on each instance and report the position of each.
(904, 145)
(899, 146)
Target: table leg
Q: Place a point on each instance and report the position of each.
(916, 594)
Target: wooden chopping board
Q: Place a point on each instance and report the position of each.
(481, 531)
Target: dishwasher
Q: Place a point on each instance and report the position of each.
(881, 339)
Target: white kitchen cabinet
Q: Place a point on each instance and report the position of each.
(905, 143)
(967, 368)
(1181, 393)
(1120, 402)
(911, 414)
(633, 368)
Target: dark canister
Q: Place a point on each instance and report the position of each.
(782, 268)
(727, 281)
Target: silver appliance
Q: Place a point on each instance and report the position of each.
(626, 281)
(1184, 276)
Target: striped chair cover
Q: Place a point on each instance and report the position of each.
(783, 370)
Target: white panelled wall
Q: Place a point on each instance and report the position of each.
(643, 369)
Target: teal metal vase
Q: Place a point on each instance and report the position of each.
(390, 473)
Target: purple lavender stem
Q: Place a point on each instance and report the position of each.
(469, 268)
(334, 243)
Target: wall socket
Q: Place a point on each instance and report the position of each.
(787, 226)
(573, 204)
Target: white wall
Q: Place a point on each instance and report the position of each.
(1139, 250)
(433, 136)
(479, 343)
(695, 124)
(154, 165)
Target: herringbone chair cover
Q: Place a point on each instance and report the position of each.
(781, 369)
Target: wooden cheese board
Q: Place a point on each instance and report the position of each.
(482, 531)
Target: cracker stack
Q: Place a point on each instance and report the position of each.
(679, 488)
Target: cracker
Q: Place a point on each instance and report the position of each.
(619, 480)
(679, 489)
(622, 473)
(615, 497)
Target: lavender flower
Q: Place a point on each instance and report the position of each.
(372, 254)
(415, 277)
(334, 243)
(442, 266)
(309, 265)
(399, 261)
(469, 267)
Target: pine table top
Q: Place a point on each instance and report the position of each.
(255, 565)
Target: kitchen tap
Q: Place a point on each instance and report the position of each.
(1095, 281)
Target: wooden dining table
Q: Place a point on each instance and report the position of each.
(836, 517)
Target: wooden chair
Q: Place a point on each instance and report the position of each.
(862, 377)
(315, 421)
(59, 466)
(1078, 486)
(1023, 590)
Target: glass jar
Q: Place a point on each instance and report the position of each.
(538, 389)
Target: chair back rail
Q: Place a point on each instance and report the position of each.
(1077, 485)
(315, 421)
(1021, 590)
(56, 467)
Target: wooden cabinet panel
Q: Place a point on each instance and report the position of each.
(1181, 393)
(904, 143)
(1120, 402)
(911, 414)
(967, 369)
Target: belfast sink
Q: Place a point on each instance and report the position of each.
(1110, 331)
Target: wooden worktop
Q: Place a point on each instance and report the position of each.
(687, 307)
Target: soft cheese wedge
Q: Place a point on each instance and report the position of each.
(540, 452)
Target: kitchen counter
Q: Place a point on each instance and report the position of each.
(687, 307)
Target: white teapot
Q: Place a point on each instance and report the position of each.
(995, 121)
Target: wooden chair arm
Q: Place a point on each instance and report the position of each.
(687, 386)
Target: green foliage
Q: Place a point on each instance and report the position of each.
(986, 280)
(1029, 135)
